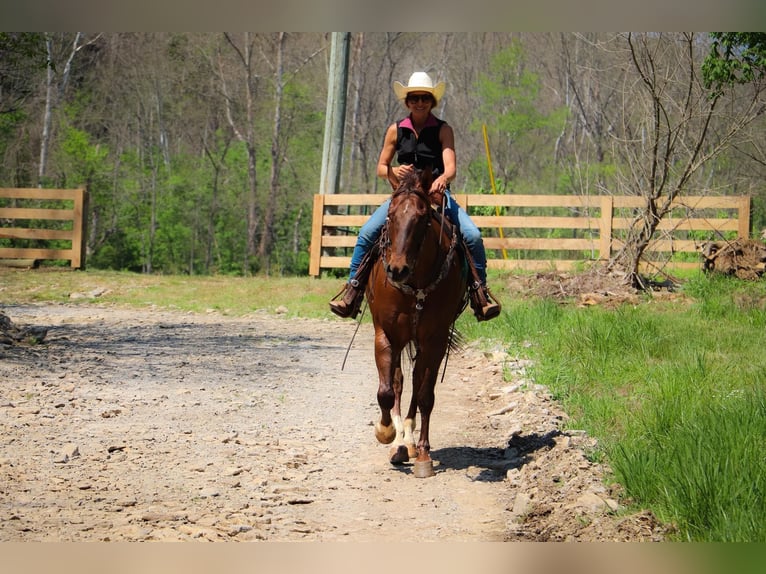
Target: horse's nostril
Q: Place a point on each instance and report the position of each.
(399, 273)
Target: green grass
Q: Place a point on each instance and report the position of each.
(674, 391)
(236, 296)
(676, 396)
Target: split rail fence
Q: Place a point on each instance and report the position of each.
(545, 232)
(40, 224)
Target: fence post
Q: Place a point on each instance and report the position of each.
(743, 216)
(79, 229)
(315, 252)
(605, 231)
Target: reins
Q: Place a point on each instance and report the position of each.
(421, 294)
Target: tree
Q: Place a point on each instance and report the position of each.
(244, 128)
(22, 62)
(522, 133)
(736, 62)
(671, 127)
(592, 98)
(61, 54)
(287, 103)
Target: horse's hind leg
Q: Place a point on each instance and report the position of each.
(425, 374)
(399, 452)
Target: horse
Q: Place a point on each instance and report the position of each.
(416, 291)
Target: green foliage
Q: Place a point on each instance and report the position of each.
(84, 163)
(22, 66)
(517, 125)
(588, 178)
(22, 58)
(509, 95)
(734, 58)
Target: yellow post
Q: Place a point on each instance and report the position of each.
(492, 182)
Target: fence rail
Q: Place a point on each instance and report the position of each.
(543, 231)
(25, 214)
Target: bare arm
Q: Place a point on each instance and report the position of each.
(385, 170)
(439, 185)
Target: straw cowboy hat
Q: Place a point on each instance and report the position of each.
(419, 82)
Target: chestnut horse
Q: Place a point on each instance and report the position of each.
(416, 291)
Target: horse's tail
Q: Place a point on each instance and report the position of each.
(457, 340)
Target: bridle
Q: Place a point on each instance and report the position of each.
(420, 294)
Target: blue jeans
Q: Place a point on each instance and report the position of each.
(370, 232)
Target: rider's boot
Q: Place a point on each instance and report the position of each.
(485, 306)
(351, 302)
(353, 291)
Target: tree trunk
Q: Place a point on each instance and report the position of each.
(628, 259)
(53, 95)
(45, 139)
(264, 249)
(669, 146)
(217, 164)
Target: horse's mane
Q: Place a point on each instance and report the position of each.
(415, 180)
(411, 179)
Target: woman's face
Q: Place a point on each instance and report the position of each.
(419, 101)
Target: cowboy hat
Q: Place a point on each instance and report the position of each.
(419, 82)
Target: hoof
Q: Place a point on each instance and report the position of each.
(399, 455)
(424, 468)
(385, 435)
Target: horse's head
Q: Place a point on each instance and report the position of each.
(409, 216)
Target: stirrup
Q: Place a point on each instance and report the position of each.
(489, 311)
(485, 307)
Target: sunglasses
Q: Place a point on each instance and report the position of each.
(425, 98)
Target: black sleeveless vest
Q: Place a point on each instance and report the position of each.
(422, 151)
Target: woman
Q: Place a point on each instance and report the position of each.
(420, 140)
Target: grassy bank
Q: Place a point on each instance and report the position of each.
(675, 391)
(676, 394)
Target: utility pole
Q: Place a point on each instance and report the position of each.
(337, 82)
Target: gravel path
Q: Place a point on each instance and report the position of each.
(132, 425)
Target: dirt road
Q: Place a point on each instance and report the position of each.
(133, 425)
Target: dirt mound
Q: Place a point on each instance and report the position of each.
(595, 286)
(743, 258)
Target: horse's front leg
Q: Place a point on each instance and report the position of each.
(387, 360)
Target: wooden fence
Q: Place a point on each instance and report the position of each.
(544, 232)
(42, 216)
